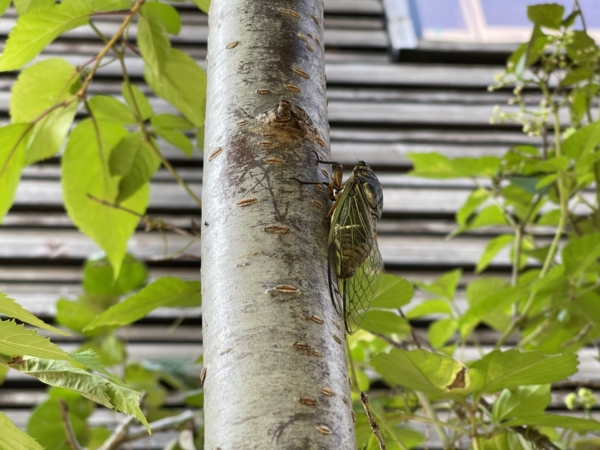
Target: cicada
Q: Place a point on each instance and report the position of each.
(354, 260)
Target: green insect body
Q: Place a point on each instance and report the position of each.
(355, 262)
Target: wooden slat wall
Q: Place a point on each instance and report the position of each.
(379, 111)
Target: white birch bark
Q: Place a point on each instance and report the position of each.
(275, 366)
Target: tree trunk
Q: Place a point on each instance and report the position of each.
(275, 367)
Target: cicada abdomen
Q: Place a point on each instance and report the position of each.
(355, 262)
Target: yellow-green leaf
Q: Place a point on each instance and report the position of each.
(11, 308)
(16, 340)
(12, 160)
(11, 437)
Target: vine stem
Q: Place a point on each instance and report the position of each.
(71, 438)
(435, 421)
(372, 422)
(474, 435)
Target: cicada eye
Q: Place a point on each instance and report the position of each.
(362, 163)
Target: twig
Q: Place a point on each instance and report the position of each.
(165, 424)
(374, 427)
(118, 436)
(64, 413)
(151, 224)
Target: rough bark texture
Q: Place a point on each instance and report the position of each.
(275, 368)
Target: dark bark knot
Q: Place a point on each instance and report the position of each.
(291, 119)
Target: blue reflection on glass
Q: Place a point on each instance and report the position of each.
(442, 14)
(513, 13)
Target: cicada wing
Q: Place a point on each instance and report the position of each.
(359, 290)
(334, 282)
(354, 254)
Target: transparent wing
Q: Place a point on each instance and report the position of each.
(354, 259)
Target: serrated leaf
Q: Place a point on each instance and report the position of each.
(41, 86)
(392, 292)
(522, 401)
(135, 162)
(77, 314)
(170, 122)
(580, 253)
(182, 83)
(98, 276)
(12, 161)
(204, 5)
(434, 306)
(136, 100)
(179, 140)
(85, 172)
(547, 15)
(165, 14)
(94, 387)
(153, 42)
(90, 360)
(513, 368)
(492, 249)
(385, 322)
(164, 292)
(423, 371)
(16, 340)
(36, 29)
(48, 135)
(11, 437)
(110, 109)
(9, 307)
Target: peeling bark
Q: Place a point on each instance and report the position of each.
(275, 367)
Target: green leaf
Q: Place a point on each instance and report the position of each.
(385, 322)
(4, 4)
(491, 215)
(41, 86)
(164, 292)
(136, 99)
(46, 424)
(522, 401)
(170, 122)
(513, 368)
(165, 14)
(12, 160)
(204, 5)
(440, 331)
(11, 308)
(85, 172)
(110, 109)
(576, 75)
(434, 165)
(98, 276)
(153, 42)
(476, 199)
(179, 140)
(36, 29)
(94, 387)
(580, 253)
(393, 292)
(552, 420)
(488, 297)
(16, 340)
(90, 360)
(11, 437)
(548, 15)
(183, 84)
(492, 249)
(423, 371)
(110, 350)
(76, 315)
(583, 141)
(434, 306)
(135, 162)
(444, 286)
(112, 5)
(47, 137)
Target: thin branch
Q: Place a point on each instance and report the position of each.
(149, 222)
(64, 413)
(118, 436)
(374, 427)
(168, 423)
